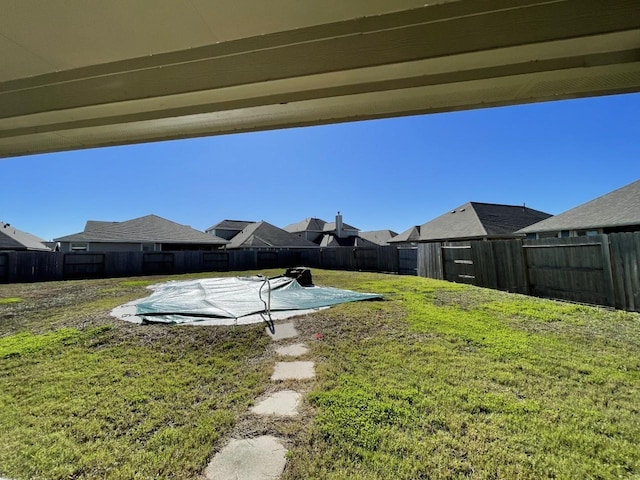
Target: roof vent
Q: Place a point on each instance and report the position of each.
(453, 211)
(462, 209)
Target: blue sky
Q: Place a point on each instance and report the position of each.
(391, 173)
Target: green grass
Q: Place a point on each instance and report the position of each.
(6, 301)
(438, 380)
(450, 381)
(106, 399)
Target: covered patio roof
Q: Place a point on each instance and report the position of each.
(82, 74)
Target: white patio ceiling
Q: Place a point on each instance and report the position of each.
(85, 73)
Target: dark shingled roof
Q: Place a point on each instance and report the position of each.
(263, 234)
(329, 240)
(411, 234)
(331, 227)
(480, 220)
(619, 208)
(150, 228)
(13, 239)
(379, 237)
(307, 225)
(229, 225)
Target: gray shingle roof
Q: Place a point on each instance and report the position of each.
(329, 240)
(13, 239)
(229, 225)
(307, 225)
(411, 234)
(150, 228)
(379, 237)
(263, 234)
(331, 227)
(479, 220)
(618, 208)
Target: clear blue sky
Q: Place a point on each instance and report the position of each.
(391, 173)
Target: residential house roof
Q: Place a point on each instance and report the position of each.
(480, 220)
(147, 229)
(310, 224)
(13, 239)
(263, 234)
(618, 208)
(411, 234)
(331, 227)
(379, 237)
(229, 225)
(329, 240)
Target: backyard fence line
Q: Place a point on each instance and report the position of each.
(600, 270)
(24, 267)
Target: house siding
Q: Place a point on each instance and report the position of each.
(103, 247)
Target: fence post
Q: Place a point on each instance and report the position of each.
(607, 270)
(525, 267)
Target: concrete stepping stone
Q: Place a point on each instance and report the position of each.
(294, 350)
(282, 331)
(293, 371)
(260, 458)
(283, 403)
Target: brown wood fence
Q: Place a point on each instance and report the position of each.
(601, 270)
(430, 261)
(408, 260)
(46, 266)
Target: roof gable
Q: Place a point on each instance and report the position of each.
(379, 237)
(329, 240)
(13, 239)
(307, 225)
(331, 227)
(229, 225)
(618, 208)
(263, 234)
(506, 219)
(411, 234)
(478, 220)
(150, 228)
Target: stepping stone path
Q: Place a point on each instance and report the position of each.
(251, 459)
(284, 402)
(264, 458)
(293, 371)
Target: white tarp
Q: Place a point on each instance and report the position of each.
(236, 297)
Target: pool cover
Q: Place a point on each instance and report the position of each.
(236, 297)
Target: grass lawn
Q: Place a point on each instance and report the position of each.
(439, 380)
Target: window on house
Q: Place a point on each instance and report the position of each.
(565, 233)
(587, 233)
(79, 247)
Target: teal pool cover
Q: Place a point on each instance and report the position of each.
(236, 297)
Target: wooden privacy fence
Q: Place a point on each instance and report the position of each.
(46, 266)
(601, 270)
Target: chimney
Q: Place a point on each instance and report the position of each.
(339, 225)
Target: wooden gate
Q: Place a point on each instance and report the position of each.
(408, 260)
(576, 269)
(366, 259)
(83, 265)
(457, 263)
